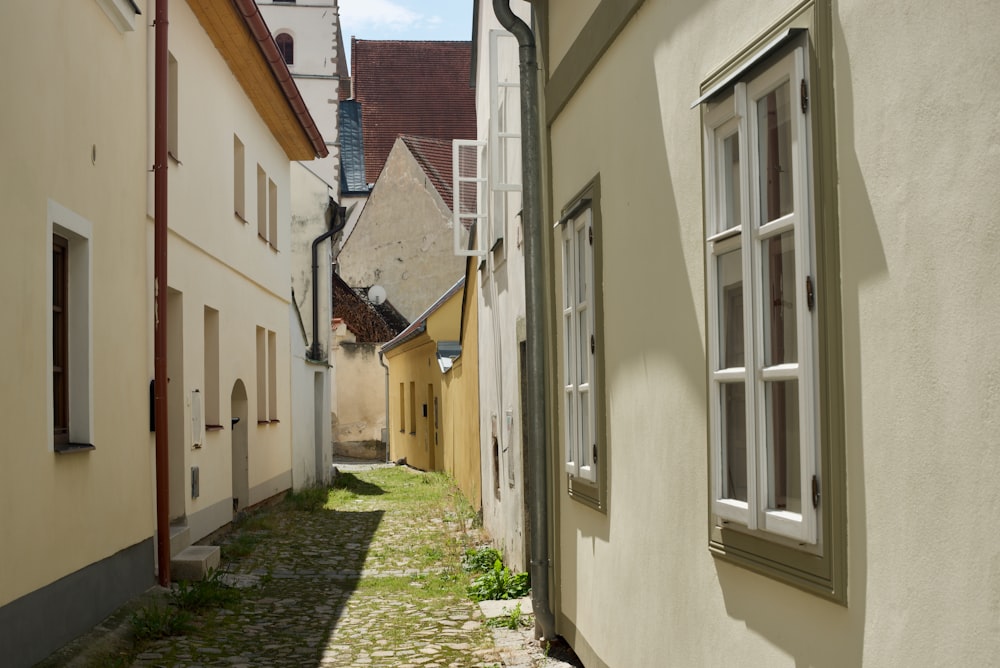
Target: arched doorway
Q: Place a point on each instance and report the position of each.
(240, 447)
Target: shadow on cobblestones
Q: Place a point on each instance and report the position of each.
(367, 573)
(373, 577)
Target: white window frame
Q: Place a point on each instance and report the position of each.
(736, 112)
(578, 336)
(469, 215)
(505, 131)
(78, 231)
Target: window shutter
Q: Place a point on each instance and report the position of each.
(469, 188)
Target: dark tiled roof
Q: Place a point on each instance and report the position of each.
(370, 323)
(434, 157)
(414, 88)
(352, 153)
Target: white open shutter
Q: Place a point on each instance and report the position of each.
(505, 130)
(469, 187)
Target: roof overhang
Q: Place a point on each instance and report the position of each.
(238, 31)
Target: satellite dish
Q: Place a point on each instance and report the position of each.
(376, 294)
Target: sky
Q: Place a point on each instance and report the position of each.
(405, 19)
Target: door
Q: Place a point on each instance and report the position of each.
(240, 447)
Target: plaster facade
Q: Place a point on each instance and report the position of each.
(76, 531)
(358, 420)
(402, 240)
(501, 302)
(902, 108)
(222, 262)
(317, 64)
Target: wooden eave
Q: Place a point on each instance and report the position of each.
(280, 106)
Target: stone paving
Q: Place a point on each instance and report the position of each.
(375, 582)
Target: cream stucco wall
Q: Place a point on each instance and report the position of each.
(73, 153)
(76, 530)
(403, 239)
(917, 159)
(501, 305)
(359, 413)
(218, 260)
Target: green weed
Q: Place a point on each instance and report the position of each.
(211, 592)
(513, 620)
(499, 584)
(157, 622)
(309, 499)
(479, 559)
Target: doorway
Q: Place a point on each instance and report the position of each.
(240, 447)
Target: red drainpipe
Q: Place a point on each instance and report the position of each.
(160, 295)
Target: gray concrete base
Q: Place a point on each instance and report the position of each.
(194, 563)
(276, 485)
(360, 450)
(207, 520)
(37, 624)
(493, 609)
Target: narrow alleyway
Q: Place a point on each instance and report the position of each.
(373, 578)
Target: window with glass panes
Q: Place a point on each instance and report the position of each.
(762, 321)
(579, 346)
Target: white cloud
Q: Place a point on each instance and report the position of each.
(362, 15)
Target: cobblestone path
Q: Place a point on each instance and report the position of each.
(371, 579)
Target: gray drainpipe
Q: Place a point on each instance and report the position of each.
(380, 361)
(536, 492)
(315, 354)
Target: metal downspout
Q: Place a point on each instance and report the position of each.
(162, 452)
(534, 443)
(315, 354)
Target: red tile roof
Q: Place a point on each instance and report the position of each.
(434, 157)
(414, 88)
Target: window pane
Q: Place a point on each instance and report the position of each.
(778, 284)
(783, 460)
(731, 310)
(731, 182)
(567, 271)
(583, 348)
(734, 446)
(581, 264)
(774, 148)
(583, 430)
(571, 428)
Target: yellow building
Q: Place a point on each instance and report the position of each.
(433, 390)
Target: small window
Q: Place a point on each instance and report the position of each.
(60, 339)
(239, 179)
(584, 447)
(402, 408)
(286, 47)
(211, 399)
(272, 214)
(172, 113)
(262, 376)
(413, 408)
(70, 350)
(774, 479)
(272, 376)
(261, 204)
